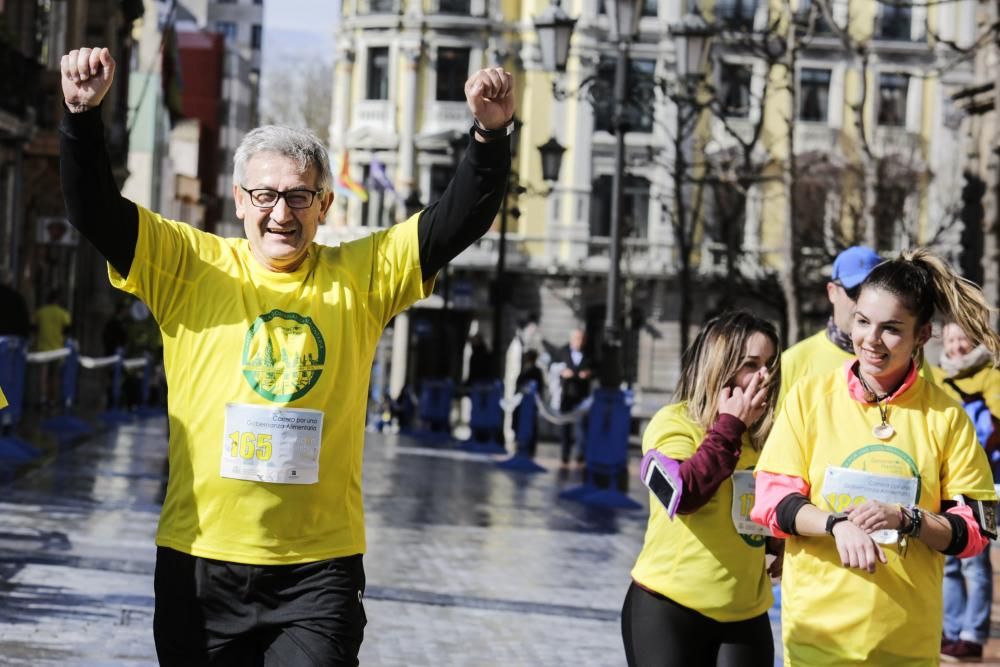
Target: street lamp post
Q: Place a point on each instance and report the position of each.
(624, 18)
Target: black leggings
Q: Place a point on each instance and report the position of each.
(658, 632)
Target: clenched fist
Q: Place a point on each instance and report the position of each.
(86, 77)
(490, 95)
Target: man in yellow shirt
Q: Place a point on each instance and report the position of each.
(268, 343)
(51, 322)
(828, 349)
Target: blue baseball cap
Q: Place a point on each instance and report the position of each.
(853, 265)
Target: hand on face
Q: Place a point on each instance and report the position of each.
(86, 77)
(490, 95)
(747, 404)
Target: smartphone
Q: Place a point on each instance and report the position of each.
(663, 480)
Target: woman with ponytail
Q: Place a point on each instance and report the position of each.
(700, 590)
(871, 473)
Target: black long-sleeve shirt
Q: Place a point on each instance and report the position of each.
(111, 222)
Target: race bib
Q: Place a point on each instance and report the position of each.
(844, 488)
(277, 445)
(743, 497)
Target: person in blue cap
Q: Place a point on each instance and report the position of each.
(828, 349)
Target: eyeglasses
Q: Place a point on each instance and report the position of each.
(267, 198)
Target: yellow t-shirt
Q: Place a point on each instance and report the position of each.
(699, 560)
(51, 320)
(817, 355)
(235, 332)
(985, 381)
(3, 400)
(832, 615)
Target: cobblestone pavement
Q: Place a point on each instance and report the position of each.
(467, 564)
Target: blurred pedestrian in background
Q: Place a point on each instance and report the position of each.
(52, 323)
(828, 349)
(576, 379)
(966, 374)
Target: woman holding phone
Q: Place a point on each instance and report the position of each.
(872, 472)
(700, 589)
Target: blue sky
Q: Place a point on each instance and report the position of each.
(313, 20)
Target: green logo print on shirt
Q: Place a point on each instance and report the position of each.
(283, 356)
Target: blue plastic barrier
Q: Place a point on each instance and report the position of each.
(525, 433)
(606, 453)
(434, 410)
(13, 351)
(66, 425)
(486, 418)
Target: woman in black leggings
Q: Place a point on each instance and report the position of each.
(700, 588)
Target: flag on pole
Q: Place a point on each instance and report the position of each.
(347, 186)
(170, 71)
(381, 180)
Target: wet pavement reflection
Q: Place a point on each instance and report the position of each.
(467, 564)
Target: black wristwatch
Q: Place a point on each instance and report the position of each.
(493, 135)
(833, 520)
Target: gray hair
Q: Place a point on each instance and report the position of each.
(300, 145)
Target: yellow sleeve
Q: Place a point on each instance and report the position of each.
(396, 279)
(965, 469)
(3, 400)
(672, 434)
(786, 449)
(165, 267)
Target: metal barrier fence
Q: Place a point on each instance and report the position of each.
(15, 361)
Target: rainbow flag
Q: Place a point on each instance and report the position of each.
(346, 185)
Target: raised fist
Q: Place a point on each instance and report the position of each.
(86, 77)
(490, 94)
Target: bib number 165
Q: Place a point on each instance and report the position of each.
(249, 445)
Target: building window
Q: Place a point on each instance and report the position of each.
(892, 99)
(635, 210)
(814, 94)
(452, 71)
(811, 201)
(381, 6)
(440, 178)
(894, 21)
(227, 29)
(805, 13)
(640, 86)
(378, 73)
(649, 7)
(256, 36)
(455, 7)
(734, 84)
(890, 203)
(736, 14)
(726, 224)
